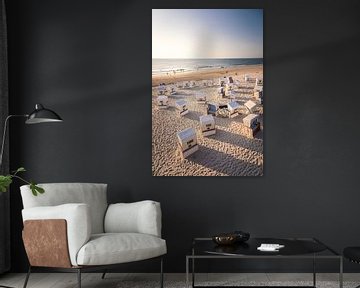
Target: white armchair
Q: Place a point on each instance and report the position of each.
(72, 228)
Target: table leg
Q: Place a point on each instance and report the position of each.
(187, 272)
(193, 267)
(314, 271)
(193, 272)
(341, 273)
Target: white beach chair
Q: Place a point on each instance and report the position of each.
(258, 88)
(181, 105)
(258, 82)
(207, 123)
(181, 85)
(258, 95)
(193, 84)
(222, 81)
(258, 85)
(200, 98)
(252, 125)
(221, 91)
(233, 108)
(250, 106)
(187, 142)
(161, 89)
(212, 109)
(171, 89)
(163, 101)
(251, 121)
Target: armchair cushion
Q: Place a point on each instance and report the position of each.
(138, 217)
(92, 194)
(113, 248)
(78, 221)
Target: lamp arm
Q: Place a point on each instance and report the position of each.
(4, 134)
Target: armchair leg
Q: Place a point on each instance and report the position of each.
(161, 273)
(79, 277)
(103, 275)
(27, 277)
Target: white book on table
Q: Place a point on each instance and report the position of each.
(270, 247)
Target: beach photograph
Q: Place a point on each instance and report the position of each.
(207, 92)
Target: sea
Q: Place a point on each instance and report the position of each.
(163, 66)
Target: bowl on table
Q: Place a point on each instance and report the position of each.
(231, 238)
(224, 239)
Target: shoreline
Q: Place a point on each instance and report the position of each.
(206, 74)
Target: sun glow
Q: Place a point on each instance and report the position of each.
(207, 33)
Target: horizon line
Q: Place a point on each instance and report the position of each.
(212, 58)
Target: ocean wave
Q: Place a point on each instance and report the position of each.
(163, 66)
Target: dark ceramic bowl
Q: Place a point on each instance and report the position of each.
(231, 238)
(225, 239)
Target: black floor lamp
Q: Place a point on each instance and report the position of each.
(39, 115)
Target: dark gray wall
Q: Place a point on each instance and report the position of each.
(91, 62)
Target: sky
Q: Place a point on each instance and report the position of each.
(207, 33)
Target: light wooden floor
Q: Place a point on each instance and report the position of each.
(113, 280)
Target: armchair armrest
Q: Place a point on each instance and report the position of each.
(138, 217)
(78, 225)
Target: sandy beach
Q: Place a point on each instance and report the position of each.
(231, 151)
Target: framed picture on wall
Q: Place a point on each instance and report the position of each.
(207, 92)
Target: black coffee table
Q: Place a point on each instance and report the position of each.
(295, 248)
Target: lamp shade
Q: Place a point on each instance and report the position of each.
(42, 115)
